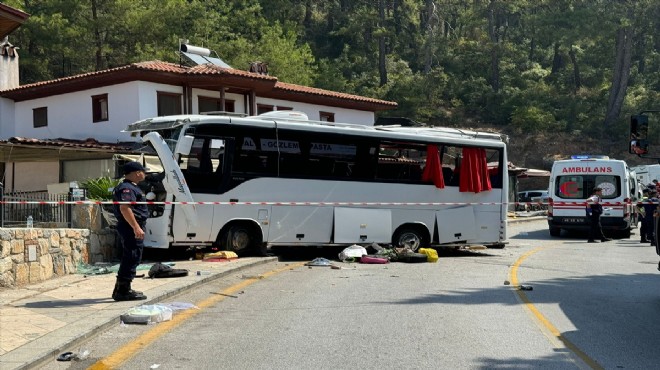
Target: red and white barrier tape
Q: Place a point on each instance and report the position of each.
(83, 202)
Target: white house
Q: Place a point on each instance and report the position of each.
(93, 108)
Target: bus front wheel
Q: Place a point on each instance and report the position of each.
(238, 239)
(410, 237)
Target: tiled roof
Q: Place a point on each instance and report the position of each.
(155, 66)
(212, 69)
(174, 73)
(71, 143)
(314, 91)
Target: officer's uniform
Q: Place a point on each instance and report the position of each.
(649, 210)
(642, 210)
(132, 248)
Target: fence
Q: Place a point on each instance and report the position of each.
(14, 213)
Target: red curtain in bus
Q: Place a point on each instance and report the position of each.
(433, 167)
(474, 171)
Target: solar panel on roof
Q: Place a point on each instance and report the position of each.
(200, 59)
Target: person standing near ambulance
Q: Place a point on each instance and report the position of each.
(646, 228)
(594, 210)
(131, 220)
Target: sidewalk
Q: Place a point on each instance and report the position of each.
(527, 216)
(40, 321)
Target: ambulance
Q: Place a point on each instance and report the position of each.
(572, 181)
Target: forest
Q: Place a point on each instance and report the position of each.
(577, 68)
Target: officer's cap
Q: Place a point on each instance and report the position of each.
(132, 167)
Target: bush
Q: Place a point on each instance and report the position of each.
(532, 120)
(100, 188)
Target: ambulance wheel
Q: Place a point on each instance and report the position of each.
(410, 237)
(555, 231)
(624, 234)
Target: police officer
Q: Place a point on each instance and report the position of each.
(651, 209)
(594, 210)
(131, 219)
(646, 222)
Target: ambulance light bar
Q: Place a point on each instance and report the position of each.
(589, 156)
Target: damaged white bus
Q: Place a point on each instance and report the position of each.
(249, 183)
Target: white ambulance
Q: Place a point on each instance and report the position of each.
(572, 181)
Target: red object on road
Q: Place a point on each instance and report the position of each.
(374, 259)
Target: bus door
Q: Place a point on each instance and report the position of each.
(203, 170)
(175, 184)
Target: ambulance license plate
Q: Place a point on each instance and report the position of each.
(573, 220)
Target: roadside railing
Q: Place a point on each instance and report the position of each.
(15, 209)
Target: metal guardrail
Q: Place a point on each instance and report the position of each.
(48, 215)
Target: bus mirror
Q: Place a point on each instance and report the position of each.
(185, 145)
(639, 131)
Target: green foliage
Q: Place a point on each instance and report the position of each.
(534, 65)
(99, 188)
(531, 119)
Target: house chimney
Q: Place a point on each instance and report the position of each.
(8, 65)
(259, 67)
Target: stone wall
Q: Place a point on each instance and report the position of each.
(33, 255)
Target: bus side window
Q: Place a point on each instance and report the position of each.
(447, 174)
(456, 177)
(416, 172)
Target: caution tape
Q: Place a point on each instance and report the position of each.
(92, 202)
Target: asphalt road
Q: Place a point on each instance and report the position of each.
(592, 306)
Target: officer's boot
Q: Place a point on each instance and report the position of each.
(136, 293)
(123, 292)
(115, 292)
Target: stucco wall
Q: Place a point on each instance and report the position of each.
(70, 115)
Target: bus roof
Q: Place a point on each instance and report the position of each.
(298, 122)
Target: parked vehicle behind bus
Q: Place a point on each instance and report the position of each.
(572, 181)
(645, 174)
(281, 179)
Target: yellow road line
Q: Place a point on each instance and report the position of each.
(513, 277)
(123, 354)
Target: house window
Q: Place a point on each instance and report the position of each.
(284, 108)
(40, 117)
(169, 104)
(263, 108)
(206, 104)
(100, 108)
(327, 116)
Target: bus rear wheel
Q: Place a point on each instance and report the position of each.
(410, 237)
